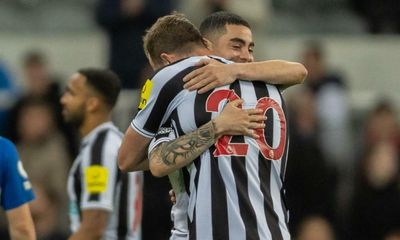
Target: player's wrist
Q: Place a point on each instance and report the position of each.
(239, 72)
(235, 70)
(218, 128)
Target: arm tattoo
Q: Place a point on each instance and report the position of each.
(187, 147)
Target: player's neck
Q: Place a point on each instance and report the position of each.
(91, 122)
(201, 51)
(195, 51)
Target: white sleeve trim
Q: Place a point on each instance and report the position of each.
(142, 132)
(158, 142)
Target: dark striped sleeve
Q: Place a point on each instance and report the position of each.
(164, 98)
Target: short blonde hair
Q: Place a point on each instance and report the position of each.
(172, 33)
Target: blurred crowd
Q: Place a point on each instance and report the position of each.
(343, 174)
(341, 16)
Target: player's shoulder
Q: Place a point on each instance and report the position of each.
(7, 146)
(114, 137)
(8, 153)
(5, 142)
(106, 136)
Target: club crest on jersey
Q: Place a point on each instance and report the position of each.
(145, 94)
(164, 130)
(96, 178)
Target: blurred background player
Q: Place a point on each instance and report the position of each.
(104, 202)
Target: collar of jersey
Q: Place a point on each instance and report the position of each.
(180, 60)
(220, 59)
(168, 65)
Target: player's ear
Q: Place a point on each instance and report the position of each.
(167, 58)
(208, 44)
(92, 104)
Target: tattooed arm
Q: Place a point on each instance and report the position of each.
(180, 152)
(175, 154)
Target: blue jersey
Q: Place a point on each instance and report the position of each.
(15, 188)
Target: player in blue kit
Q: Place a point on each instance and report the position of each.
(15, 192)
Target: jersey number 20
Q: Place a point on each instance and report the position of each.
(224, 146)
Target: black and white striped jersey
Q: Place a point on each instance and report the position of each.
(95, 182)
(236, 187)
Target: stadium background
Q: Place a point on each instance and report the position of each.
(366, 58)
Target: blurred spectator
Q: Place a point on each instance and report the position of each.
(40, 85)
(7, 96)
(381, 16)
(375, 208)
(125, 22)
(43, 16)
(45, 213)
(310, 181)
(41, 146)
(332, 107)
(42, 150)
(315, 228)
(381, 125)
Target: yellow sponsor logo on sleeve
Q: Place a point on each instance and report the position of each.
(145, 94)
(96, 178)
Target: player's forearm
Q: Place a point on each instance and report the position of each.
(175, 154)
(276, 72)
(143, 165)
(22, 233)
(20, 223)
(129, 162)
(132, 152)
